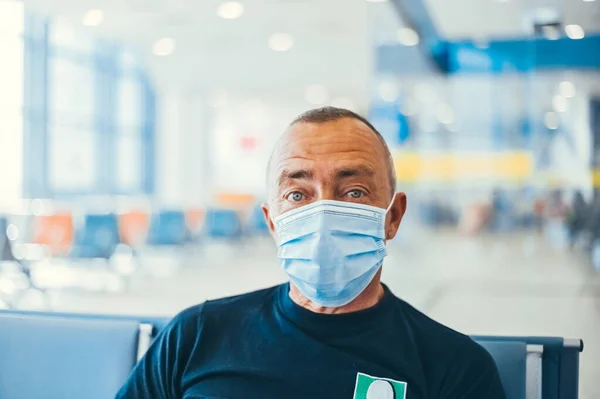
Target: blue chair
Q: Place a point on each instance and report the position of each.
(222, 223)
(511, 360)
(149, 327)
(51, 356)
(256, 222)
(87, 355)
(552, 365)
(158, 322)
(98, 237)
(168, 228)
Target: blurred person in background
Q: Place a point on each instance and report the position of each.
(539, 209)
(592, 228)
(557, 208)
(577, 216)
(333, 331)
(525, 208)
(556, 215)
(502, 211)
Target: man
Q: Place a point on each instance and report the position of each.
(334, 331)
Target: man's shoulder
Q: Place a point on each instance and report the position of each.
(227, 307)
(452, 359)
(440, 339)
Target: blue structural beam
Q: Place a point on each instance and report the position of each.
(519, 54)
(525, 55)
(414, 13)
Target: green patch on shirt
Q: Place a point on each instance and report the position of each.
(368, 387)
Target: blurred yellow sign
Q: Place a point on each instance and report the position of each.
(461, 166)
(596, 177)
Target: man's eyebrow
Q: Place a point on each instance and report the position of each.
(298, 174)
(352, 172)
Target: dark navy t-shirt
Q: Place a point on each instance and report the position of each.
(263, 345)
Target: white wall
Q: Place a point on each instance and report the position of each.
(244, 133)
(182, 151)
(203, 150)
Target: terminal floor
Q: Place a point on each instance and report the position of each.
(513, 284)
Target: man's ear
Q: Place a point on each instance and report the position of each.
(395, 214)
(265, 209)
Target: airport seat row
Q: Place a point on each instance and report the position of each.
(98, 234)
(58, 355)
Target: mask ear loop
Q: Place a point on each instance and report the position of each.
(391, 203)
(388, 234)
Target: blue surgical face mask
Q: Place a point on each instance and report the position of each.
(331, 250)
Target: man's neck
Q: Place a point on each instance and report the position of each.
(368, 298)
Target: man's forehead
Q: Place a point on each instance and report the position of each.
(311, 147)
(329, 138)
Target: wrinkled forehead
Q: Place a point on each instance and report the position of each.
(321, 145)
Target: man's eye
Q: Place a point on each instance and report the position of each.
(355, 193)
(296, 196)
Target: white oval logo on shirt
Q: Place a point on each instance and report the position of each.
(381, 389)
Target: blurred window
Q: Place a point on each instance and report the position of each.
(72, 160)
(86, 130)
(71, 91)
(129, 160)
(63, 34)
(130, 102)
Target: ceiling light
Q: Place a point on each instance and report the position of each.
(230, 10)
(37, 207)
(217, 98)
(444, 114)
(408, 107)
(551, 32)
(407, 37)
(343, 102)
(93, 18)
(12, 232)
(574, 32)
(316, 94)
(164, 46)
(551, 120)
(427, 124)
(559, 103)
(454, 128)
(281, 41)
(589, 1)
(425, 93)
(567, 89)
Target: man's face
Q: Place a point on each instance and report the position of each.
(340, 160)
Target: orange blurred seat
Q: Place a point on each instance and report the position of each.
(133, 227)
(193, 218)
(235, 201)
(54, 231)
